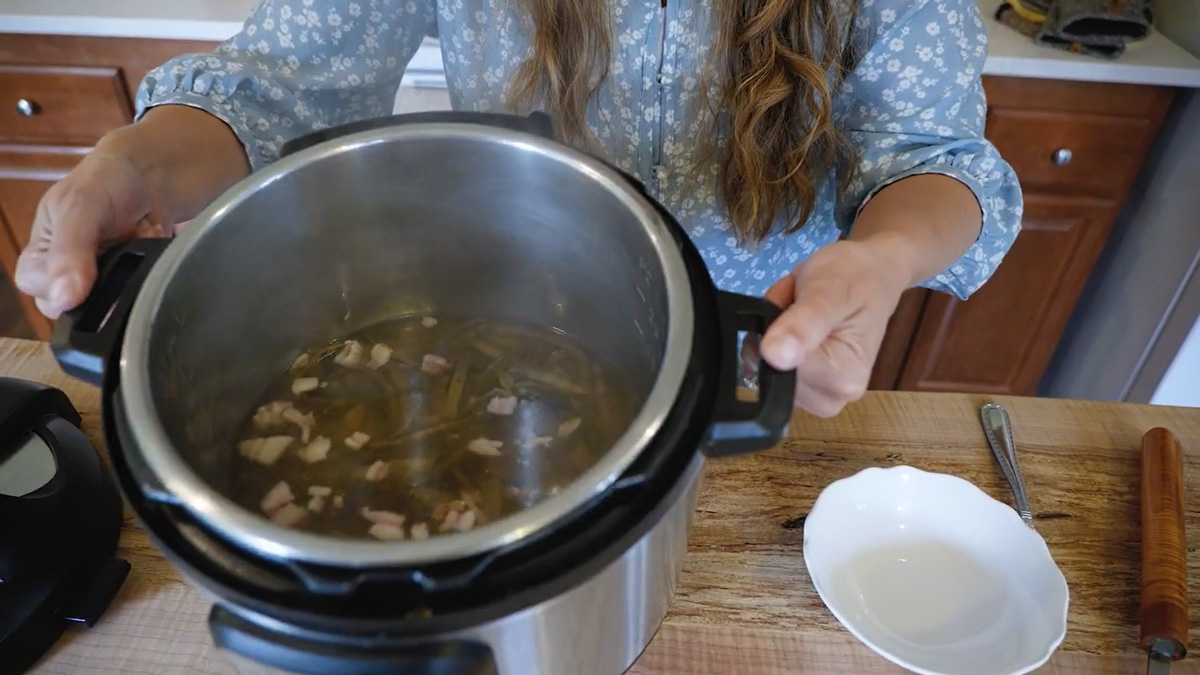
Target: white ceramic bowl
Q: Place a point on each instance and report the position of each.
(935, 575)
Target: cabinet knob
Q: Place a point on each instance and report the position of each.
(27, 108)
(1062, 157)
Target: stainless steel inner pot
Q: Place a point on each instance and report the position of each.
(450, 218)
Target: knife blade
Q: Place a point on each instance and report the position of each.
(1163, 612)
(1157, 664)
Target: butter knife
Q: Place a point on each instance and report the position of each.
(1163, 613)
(997, 429)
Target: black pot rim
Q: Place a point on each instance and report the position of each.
(169, 468)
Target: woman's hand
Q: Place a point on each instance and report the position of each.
(139, 181)
(837, 303)
(836, 309)
(103, 201)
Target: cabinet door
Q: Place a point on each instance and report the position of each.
(24, 178)
(893, 352)
(1001, 339)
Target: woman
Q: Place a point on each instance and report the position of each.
(825, 152)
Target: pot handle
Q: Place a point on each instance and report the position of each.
(86, 336)
(294, 654)
(539, 124)
(740, 426)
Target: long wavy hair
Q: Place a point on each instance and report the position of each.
(776, 66)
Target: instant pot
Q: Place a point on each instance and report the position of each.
(464, 214)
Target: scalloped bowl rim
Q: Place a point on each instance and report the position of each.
(824, 508)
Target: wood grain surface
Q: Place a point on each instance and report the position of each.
(1164, 597)
(745, 604)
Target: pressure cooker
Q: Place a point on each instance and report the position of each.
(459, 213)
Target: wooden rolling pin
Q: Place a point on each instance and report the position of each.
(1163, 613)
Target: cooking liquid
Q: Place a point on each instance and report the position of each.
(923, 592)
(942, 608)
(570, 407)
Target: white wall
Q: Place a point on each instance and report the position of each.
(419, 99)
(1181, 384)
(1180, 21)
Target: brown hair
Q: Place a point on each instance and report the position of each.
(777, 64)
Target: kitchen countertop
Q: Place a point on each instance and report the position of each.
(214, 20)
(163, 19)
(1156, 60)
(745, 603)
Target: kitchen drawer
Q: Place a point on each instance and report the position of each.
(61, 105)
(1071, 153)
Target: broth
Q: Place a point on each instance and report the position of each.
(420, 426)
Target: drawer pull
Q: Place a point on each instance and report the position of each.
(27, 108)
(1062, 157)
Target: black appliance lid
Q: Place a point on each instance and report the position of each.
(60, 515)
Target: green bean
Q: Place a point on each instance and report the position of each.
(454, 394)
(506, 380)
(551, 380)
(422, 424)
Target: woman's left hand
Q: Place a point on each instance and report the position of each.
(836, 309)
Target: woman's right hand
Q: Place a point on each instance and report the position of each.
(102, 202)
(141, 180)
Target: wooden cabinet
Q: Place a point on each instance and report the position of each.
(58, 96)
(1077, 148)
(1001, 339)
(19, 197)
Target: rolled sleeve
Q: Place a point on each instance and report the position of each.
(295, 68)
(915, 105)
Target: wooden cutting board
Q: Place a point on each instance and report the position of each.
(745, 604)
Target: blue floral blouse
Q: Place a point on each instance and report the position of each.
(914, 105)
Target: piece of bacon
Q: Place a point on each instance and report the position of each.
(420, 531)
(303, 385)
(502, 405)
(265, 451)
(352, 354)
(569, 427)
(316, 451)
(378, 471)
(270, 415)
(382, 517)
(465, 522)
(485, 447)
(304, 421)
(357, 440)
(289, 515)
(386, 532)
(432, 364)
(450, 522)
(380, 355)
(277, 497)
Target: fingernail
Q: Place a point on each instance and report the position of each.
(63, 293)
(783, 350)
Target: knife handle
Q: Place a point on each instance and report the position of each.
(1164, 608)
